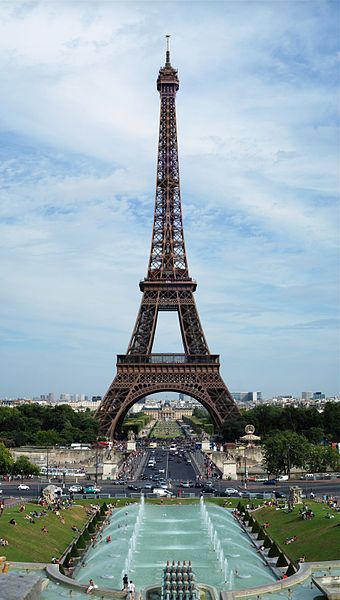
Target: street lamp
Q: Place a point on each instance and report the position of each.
(288, 461)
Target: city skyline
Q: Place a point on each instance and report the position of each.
(258, 159)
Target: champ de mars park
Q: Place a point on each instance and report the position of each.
(169, 486)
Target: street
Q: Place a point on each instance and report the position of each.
(173, 469)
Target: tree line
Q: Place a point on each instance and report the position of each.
(36, 425)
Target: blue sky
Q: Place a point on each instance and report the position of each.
(259, 149)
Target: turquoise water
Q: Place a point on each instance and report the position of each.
(145, 537)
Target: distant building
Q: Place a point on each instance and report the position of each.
(247, 396)
(318, 396)
(306, 396)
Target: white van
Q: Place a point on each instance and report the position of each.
(162, 492)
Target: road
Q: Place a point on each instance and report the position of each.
(175, 468)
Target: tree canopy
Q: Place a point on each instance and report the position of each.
(45, 425)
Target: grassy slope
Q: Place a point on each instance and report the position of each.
(26, 540)
(318, 539)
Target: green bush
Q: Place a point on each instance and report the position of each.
(67, 560)
(103, 509)
(246, 516)
(251, 521)
(74, 552)
(291, 570)
(62, 570)
(267, 542)
(261, 535)
(81, 543)
(274, 551)
(255, 527)
(86, 534)
(91, 528)
(281, 561)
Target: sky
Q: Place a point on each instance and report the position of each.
(257, 113)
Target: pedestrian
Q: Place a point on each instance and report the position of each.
(92, 586)
(125, 582)
(131, 590)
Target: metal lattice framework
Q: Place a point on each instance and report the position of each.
(167, 287)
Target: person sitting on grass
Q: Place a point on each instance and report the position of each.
(3, 542)
(44, 529)
(12, 522)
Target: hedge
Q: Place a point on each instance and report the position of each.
(281, 561)
(273, 551)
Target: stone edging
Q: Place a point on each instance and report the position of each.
(54, 574)
(305, 570)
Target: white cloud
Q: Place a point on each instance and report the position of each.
(259, 165)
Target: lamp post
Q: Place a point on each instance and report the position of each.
(288, 461)
(245, 470)
(96, 474)
(47, 449)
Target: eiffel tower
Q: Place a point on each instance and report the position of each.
(167, 287)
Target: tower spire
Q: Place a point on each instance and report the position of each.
(167, 55)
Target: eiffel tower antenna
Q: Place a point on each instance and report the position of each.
(167, 287)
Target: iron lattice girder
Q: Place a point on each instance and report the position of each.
(167, 287)
(197, 376)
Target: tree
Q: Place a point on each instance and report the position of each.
(6, 460)
(23, 466)
(284, 450)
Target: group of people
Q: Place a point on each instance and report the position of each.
(129, 587)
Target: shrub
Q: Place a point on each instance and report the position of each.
(251, 521)
(91, 528)
(62, 570)
(81, 543)
(291, 570)
(281, 561)
(246, 516)
(256, 527)
(103, 509)
(261, 535)
(274, 551)
(74, 552)
(267, 542)
(67, 560)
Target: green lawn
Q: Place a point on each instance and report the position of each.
(318, 538)
(165, 430)
(28, 543)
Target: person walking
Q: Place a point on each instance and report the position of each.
(131, 590)
(125, 582)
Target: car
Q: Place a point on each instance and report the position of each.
(92, 489)
(76, 489)
(134, 488)
(270, 482)
(188, 461)
(23, 486)
(278, 494)
(148, 486)
(0, 492)
(229, 492)
(161, 470)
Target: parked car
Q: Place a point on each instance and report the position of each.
(148, 486)
(134, 488)
(270, 482)
(76, 489)
(23, 486)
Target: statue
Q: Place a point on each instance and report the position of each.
(131, 436)
(204, 436)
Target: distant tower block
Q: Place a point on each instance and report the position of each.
(167, 287)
